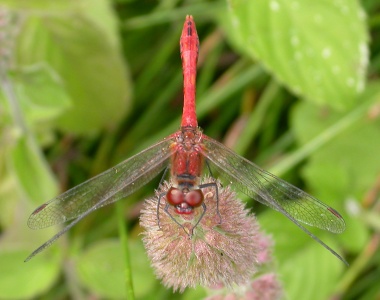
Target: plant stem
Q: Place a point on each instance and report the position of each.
(124, 243)
(322, 139)
(256, 118)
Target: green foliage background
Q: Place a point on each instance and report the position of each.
(291, 85)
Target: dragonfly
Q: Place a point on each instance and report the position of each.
(186, 153)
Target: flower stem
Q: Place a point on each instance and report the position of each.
(124, 243)
(322, 139)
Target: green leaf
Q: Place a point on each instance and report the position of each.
(287, 236)
(19, 280)
(101, 13)
(101, 269)
(347, 159)
(196, 293)
(51, 6)
(87, 57)
(344, 168)
(8, 196)
(41, 93)
(311, 273)
(318, 49)
(32, 171)
(304, 265)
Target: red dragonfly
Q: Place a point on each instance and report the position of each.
(186, 153)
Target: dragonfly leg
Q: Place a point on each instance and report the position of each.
(166, 209)
(160, 196)
(200, 218)
(163, 176)
(158, 209)
(214, 185)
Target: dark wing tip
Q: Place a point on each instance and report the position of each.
(339, 223)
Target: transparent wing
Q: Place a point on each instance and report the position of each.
(105, 188)
(271, 190)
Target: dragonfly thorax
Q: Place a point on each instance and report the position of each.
(187, 165)
(187, 159)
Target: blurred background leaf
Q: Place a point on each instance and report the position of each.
(317, 49)
(106, 278)
(87, 57)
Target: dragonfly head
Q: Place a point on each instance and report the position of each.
(184, 200)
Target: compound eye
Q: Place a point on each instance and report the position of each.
(194, 198)
(174, 196)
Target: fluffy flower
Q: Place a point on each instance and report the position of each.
(265, 287)
(220, 251)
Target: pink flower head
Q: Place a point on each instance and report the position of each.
(220, 250)
(266, 287)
